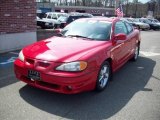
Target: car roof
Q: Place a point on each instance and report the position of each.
(102, 19)
(55, 13)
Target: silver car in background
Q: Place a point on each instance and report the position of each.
(140, 25)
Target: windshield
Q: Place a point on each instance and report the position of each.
(92, 29)
(62, 18)
(61, 14)
(155, 20)
(146, 21)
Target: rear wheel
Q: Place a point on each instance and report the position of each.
(136, 53)
(104, 76)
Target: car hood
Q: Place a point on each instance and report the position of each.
(61, 49)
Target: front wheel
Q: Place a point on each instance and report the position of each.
(104, 76)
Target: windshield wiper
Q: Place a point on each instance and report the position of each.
(79, 36)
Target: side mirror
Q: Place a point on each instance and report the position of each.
(120, 36)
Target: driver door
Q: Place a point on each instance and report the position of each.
(120, 48)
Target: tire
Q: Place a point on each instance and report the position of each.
(104, 76)
(136, 53)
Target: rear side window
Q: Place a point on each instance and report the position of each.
(120, 28)
(49, 16)
(54, 16)
(129, 28)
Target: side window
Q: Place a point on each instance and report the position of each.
(129, 28)
(49, 16)
(120, 28)
(54, 16)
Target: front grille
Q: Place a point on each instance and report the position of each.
(40, 83)
(43, 64)
(48, 85)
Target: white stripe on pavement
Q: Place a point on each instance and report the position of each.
(149, 54)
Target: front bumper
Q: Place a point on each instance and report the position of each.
(57, 83)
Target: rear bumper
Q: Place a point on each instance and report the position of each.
(60, 84)
(145, 27)
(155, 27)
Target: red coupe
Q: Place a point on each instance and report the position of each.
(82, 58)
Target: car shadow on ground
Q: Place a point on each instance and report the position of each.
(129, 80)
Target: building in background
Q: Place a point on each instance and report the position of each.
(82, 9)
(94, 7)
(17, 24)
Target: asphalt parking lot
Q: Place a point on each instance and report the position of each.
(134, 93)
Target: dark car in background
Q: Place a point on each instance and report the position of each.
(154, 21)
(140, 25)
(62, 21)
(153, 26)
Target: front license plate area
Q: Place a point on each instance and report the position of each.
(33, 75)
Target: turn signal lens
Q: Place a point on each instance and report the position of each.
(73, 66)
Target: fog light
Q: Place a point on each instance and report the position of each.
(69, 87)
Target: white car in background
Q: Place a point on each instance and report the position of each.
(53, 16)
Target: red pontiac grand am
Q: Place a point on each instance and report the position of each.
(82, 58)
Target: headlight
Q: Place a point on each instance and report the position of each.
(73, 66)
(21, 56)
